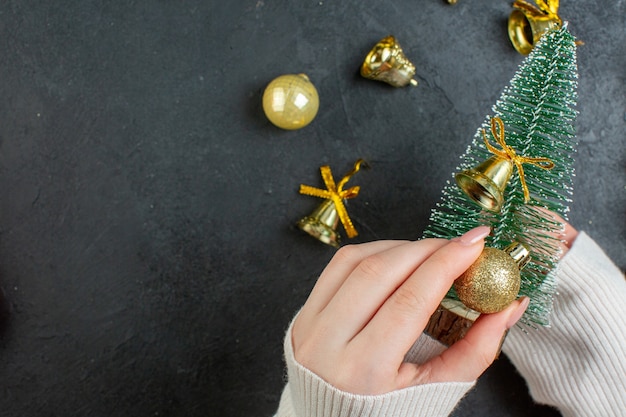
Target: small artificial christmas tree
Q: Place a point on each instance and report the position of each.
(537, 116)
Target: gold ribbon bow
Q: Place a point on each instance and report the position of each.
(337, 194)
(545, 9)
(497, 130)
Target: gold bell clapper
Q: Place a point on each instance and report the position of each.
(386, 62)
(322, 223)
(527, 23)
(485, 183)
(493, 281)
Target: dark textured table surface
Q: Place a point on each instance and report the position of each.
(147, 238)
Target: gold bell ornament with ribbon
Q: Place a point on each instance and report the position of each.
(485, 183)
(493, 281)
(291, 101)
(322, 223)
(527, 23)
(386, 62)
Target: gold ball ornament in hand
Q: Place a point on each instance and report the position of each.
(492, 282)
(291, 101)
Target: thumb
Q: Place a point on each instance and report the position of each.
(469, 357)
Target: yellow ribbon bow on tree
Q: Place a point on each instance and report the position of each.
(497, 130)
(545, 9)
(337, 194)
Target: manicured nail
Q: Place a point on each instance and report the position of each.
(473, 236)
(519, 312)
(506, 332)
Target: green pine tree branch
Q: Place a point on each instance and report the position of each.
(537, 109)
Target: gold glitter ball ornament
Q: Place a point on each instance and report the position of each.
(492, 282)
(291, 101)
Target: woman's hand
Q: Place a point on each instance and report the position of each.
(373, 301)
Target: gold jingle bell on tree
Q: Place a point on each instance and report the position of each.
(291, 101)
(485, 183)
(323, 221)
(386, 62)
(527, 23)
(492, 282)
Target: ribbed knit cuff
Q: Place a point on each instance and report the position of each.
(578, 364)
(308, 395)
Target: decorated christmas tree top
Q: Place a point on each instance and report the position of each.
(537, 120)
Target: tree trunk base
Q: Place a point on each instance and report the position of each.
(450, 322)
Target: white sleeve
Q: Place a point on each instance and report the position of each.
(578, 364)
(308, 395)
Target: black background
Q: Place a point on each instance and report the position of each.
(147, 238)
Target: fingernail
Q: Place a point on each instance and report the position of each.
(519, 312)
(502, 343)
(473, 236)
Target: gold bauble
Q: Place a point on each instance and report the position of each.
(491, 283)
(291, 101)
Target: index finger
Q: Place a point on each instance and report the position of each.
(404, 315)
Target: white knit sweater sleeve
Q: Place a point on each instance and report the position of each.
(578, 364)
(308, 395)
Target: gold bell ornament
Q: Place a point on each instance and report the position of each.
(493, 281)
(486, 182)
(291, 101)
(386, 62)
(323, 221)
(527, 23)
